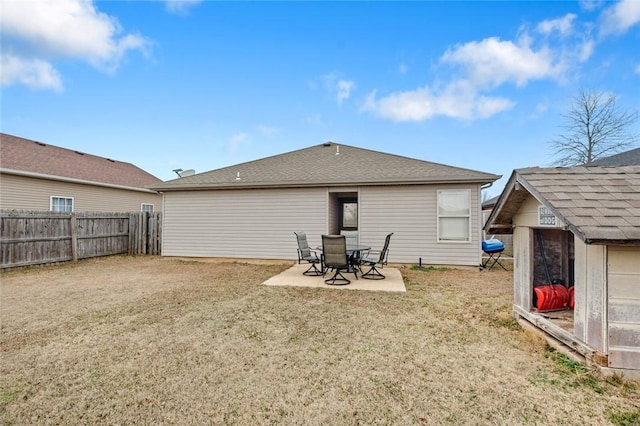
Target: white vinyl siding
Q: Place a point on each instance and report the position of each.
(410, 212)
(27, 193)
(252, 223)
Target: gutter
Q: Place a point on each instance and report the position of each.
(234, 185)
(74, 180)
(486, 185)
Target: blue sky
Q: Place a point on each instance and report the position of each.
(206, 84)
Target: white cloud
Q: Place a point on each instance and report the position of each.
(585, 50)
(33, 73)
(267, 130)
(590, 5)
(618, 18)
(344, 88)
(458, 100)
(238, 141)
(477, 68)
(492, 62)
(315, 120)
(340, 87)
(44, 30)
(542, 107)
(562, 26)
(181, 7)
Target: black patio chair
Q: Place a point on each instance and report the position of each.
(334, 257)
(307, 254)
(376, 257)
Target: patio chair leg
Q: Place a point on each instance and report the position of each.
(373, 274)
(337, 279)
(313, 271)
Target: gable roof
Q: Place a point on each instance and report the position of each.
(327, 164)
(627, 158)
(601, 205)
(31, 158)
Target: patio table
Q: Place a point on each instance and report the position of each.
(354, 251)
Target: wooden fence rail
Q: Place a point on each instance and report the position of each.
(37, 237)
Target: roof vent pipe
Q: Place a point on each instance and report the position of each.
(337, 149)
(238, 176)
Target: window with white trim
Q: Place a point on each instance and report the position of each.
(61, 204)
(146, 207)
(454, 215)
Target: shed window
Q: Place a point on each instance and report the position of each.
(147, 207)
(61, 204)
(454, 216)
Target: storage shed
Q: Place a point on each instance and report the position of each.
(578, 227)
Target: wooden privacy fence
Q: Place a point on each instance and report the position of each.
(37, 237)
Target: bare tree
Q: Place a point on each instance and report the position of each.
(594, 128)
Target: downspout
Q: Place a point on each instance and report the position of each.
(482, 234)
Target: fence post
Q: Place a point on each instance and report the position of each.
(73, 224)
(131, 232)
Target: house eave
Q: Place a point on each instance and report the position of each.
(74, 180)
(605, 242)
(272, 185)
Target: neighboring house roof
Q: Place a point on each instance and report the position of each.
(327, 164)
(601, 205)
(32, 158)
(490, 203)
(627, 158)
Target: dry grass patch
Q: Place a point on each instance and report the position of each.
(156, 340)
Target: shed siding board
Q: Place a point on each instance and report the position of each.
(410, 213)
(528, 214)
(624, 306)
(27, 193)
(522, 267)
(580, 291)
(242, 223)
(596, 298)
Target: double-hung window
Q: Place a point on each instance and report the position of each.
(454, 215)
(61, 204)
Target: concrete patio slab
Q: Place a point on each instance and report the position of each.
(293, 277)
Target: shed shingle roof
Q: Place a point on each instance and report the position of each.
(24, 155)
(599, 204)
(327, 164)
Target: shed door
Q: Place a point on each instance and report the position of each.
(624, 307)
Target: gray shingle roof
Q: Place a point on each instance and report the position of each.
(24, 155)
(327, 164)
(599, 204)
(627, 158)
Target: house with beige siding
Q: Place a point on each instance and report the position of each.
(251, 210)
(578, 227)
(39, 176)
